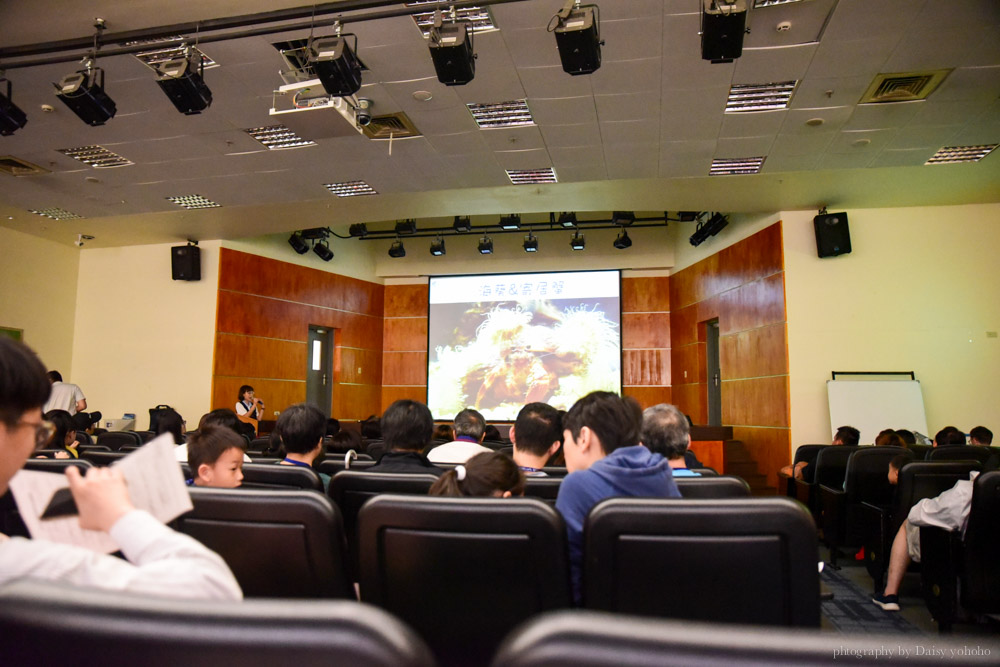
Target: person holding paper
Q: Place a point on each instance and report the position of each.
(160, 562)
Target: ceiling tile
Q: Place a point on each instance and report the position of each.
(513, 138)
(798, 145)
(912, 157)
(532, 158)
(788, 63)
(924, 137)
(628, 106)
(752, 123)
(737, 147)
(779, 163)
(584, 173)
(462, 143)
(631, 39)
(627, 76)
(882, 115)
(443, 121)
(860, 19)
(833, 119)
(811, 93)
(552, 81)
(532, 47)
(576, 155)
(630, 132)
(580, 134)
(845, 160)
(628, 161)
(930, 49)
(563, 111)
(855, 58)
(969, 83)
(862, 141)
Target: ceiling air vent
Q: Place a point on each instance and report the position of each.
(903, 86)
(391, 126)
(15, 166)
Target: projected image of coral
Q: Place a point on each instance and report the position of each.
(496, 342)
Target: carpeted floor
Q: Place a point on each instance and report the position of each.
(851, 610)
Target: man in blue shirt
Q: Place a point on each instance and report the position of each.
(605, 460)
(665, 430)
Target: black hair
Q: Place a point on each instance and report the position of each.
(899, 461)
(848, 435)
(54, 376)
(63, 421)
(443, 432)
(537, 426)
(209, 443)
(23, 385)
(948, 437)
(244, 389)
(983, 435)
(665, 430)
(171, 422)
(332, 426)
(407, 425)
(301, 427)
(470, 423)
(221, 417)
(344, 441)
(492, 433)
(907, 436)
(614, 419)
(889, 438)
(485, 474)
(371, 428)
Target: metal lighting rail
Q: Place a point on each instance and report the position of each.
(494, 228)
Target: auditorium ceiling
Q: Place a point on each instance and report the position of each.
(641, 133)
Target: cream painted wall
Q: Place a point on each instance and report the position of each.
(918, 292)
(38, 294)
(740, 227)
(142, 338)
(351, 257)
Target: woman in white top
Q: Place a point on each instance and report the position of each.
(247, 405)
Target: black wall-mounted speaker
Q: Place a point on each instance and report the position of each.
(185, 262)
(833, 237)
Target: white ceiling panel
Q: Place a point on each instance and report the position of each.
(798, 145)
(631, 39)
(779, 163)
(788, 63)
(563, 111)
(395, 30)
(534, 158)
(956, 14)
(631, 132)
(833, 119)
(576, 155)
(861, 141)
(971, 83)
(631, 106)
(752, 123)
(514, 138)
(628, 76)
(532, 47)
(882, 115)
(911, 157)
(924, 137)
(462, 143)
(930, 49)
(583, 173)
(812, 93)
(552, 81)
(687, 72)
(402, 94)
(861, 19)
(934, 112)
(845, 160)
(523, 15)
(803, 23)
(860, 57)
(737, 147)
(569, 136)
(633, 161)
(443, 121)
(398, 62)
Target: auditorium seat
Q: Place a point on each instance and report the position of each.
(102, 458)
(831, 465)
(274, 476)
(84, 438)
(866, 480)
(115, 439)
(955, 569)
(544, 488)
(331, 465)
(961, 453)
(804, 454)
(57, 465)
(719, 486)
(917, 480)
(277, 543)
(462, 572)
(11, 523)
(705, 472)
(743, 560)
(45, 623)
(594, 639)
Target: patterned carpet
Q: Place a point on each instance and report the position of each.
(851, 611)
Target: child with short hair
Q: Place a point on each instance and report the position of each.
(215, 455)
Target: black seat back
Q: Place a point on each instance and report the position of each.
(100, 457)
(331, 465)
(115, 439)
(51, 623)
(58, 465)
(463, 572)
(275, 476)
(543, 488)
(278, 543)
(961, 453)
(981, 576)
(718, 486)
(925, 479)
(866, 478)
(831, 465)
(745, 560)
(350, 489)
(84, 438)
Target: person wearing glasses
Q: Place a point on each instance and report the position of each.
(160, 561)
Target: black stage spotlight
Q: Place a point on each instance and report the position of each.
(182, 79)
(530, 243)
(12, 118)
(323, 251)
(451, 51)
(707, 229)
(577, 242)
(485, 245)
(359, 229)
(298, 244)
(578, 37)
(83, 92)
(462, 224)
(406, 227)
(510, 223)
(437, 247)
(336, 65)
(688, 216)
(723, 23)
(623, 218)
(623, 241)
(396, 249)
(567, 220)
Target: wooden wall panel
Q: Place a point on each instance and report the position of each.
(357, 401)
(648, 396)
(404, 368)
(756, 401)
(752, 305)
(646, 295)
(405, 334)
(358, 366)
(770, 447)
(260, 357)
(684, 326)
(646, 367)
(392, 394)
(645, 330)
(754, 353)
(690, 399)
(276, 394)
(687, 359)
(406, 300)
(757, 257)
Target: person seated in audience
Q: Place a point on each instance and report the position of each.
(846, 435)
(690, 459)
(895, 465)
(171, 422)
(493, 474)
(215, 456)
(84, 421)
(332, 427)
(470, 429)
(536, 435)
(981, 436)
(665, 431)
(492, 434)
(407, 427)
(443, 433)
(345, 441)
(950, 511)
(64, 438)
(949, 436)
(160, 562)
(907, 436)
(220, 417)
(301, 428)
(371, 433)
(605, 460)
(889, 438)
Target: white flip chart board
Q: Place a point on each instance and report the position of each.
(873, 405)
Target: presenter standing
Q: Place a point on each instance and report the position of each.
(249, 409)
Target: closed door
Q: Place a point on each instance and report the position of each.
(319, 371)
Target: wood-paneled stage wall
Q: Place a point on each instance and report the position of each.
(743, 286)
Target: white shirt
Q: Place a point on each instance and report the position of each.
(181, 452)
(457, 451)
(949, 510)
(64, 396)
(161, 562)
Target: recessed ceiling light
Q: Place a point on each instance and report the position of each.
(953, 154)
(530, 176)
(97, 157)
(278, 137)
(423, 95)
(733, 166)
(815, 122)
(191, 202)
(760, 97)
(502, 114)
(56, 213)
(350, 189)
